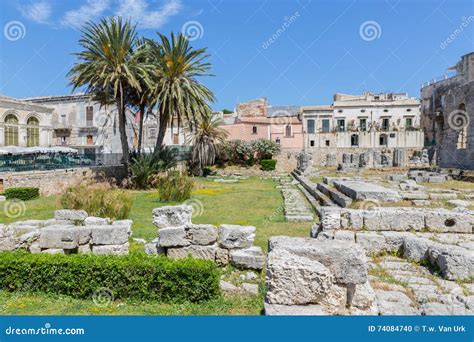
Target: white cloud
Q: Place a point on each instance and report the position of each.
(138, 12)
(39, 12)
(90, 11)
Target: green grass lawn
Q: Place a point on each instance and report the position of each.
(252, 201)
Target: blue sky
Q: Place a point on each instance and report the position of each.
(293, 52)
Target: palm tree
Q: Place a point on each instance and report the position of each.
(207, 135)
(179, 95)
(107, 66)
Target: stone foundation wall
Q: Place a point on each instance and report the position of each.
(69, 232)
(55, 181)
(178, 237)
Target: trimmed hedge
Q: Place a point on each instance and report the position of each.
(22, 193)
(135, 276)
(268, 164)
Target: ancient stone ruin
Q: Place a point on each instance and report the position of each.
(69, 232)
(178, 238)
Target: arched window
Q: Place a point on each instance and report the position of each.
(254, 129)
(383, 140)
(354, 140)
(32, 132)
(461, 123)
(288, 131)
(11, 130)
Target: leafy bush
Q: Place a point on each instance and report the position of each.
(265, 149)
(174, 187)
(268, 164)
(99, 199)
(22, 193)
(135, 276)
(145, 166)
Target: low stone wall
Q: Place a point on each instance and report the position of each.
(55, 181)
(178, 238)
(397, 219)
(69, 232)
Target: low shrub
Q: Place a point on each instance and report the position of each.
(135, 276)
(145, 166)
(22, 193)
(174, 187)
(268, 164)
(99, 199)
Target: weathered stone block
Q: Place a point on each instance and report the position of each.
(197, 252)
(109, 235)
(172, 216)
(202, 234)
(96, 221)
(153, 247)
(173, 237)
(222, 256)
(70, 215)
(111, 249)
(249, 258)
(234, 236)
(58, 238)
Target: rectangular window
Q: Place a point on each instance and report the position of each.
(90, 140)
(363, 125)
(325, 126)
(311, 143)
(341, 125)
(409, 122)
(89, 116)
(327, 142)
(385, 124)
(310, 125)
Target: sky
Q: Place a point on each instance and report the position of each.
(296, 52)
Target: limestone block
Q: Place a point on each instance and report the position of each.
(173, 237)
(153, 247)
(443, 220)
(59, 237)
(416, 248)
(454, 262)
(53, 251)
(293, 279)
(234, 236)
(96, 221)
(70, 215)
(222, 256)
(202, 234)
(109, 235)
(347, 261)
(197, 252)
(248, 258)
(172, 216)
(111, 249)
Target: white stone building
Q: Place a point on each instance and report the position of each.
(24, 124)
(386, 120)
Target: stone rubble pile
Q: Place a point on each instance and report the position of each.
(69, 232)
(178, 238)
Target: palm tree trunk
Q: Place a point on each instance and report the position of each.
(140, 127)
(161, 132)
(122, 128)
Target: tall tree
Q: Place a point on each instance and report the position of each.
(180, 97)
(107, 64)
(205, 139)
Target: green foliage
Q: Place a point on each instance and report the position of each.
(145, 166)
(265, 149)
(174, 187)
(247, 152)
(268, 164)
(98, 200)
(227, 111)
(22, 193)
(135, 276)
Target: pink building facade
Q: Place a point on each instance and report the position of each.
(256, 120)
